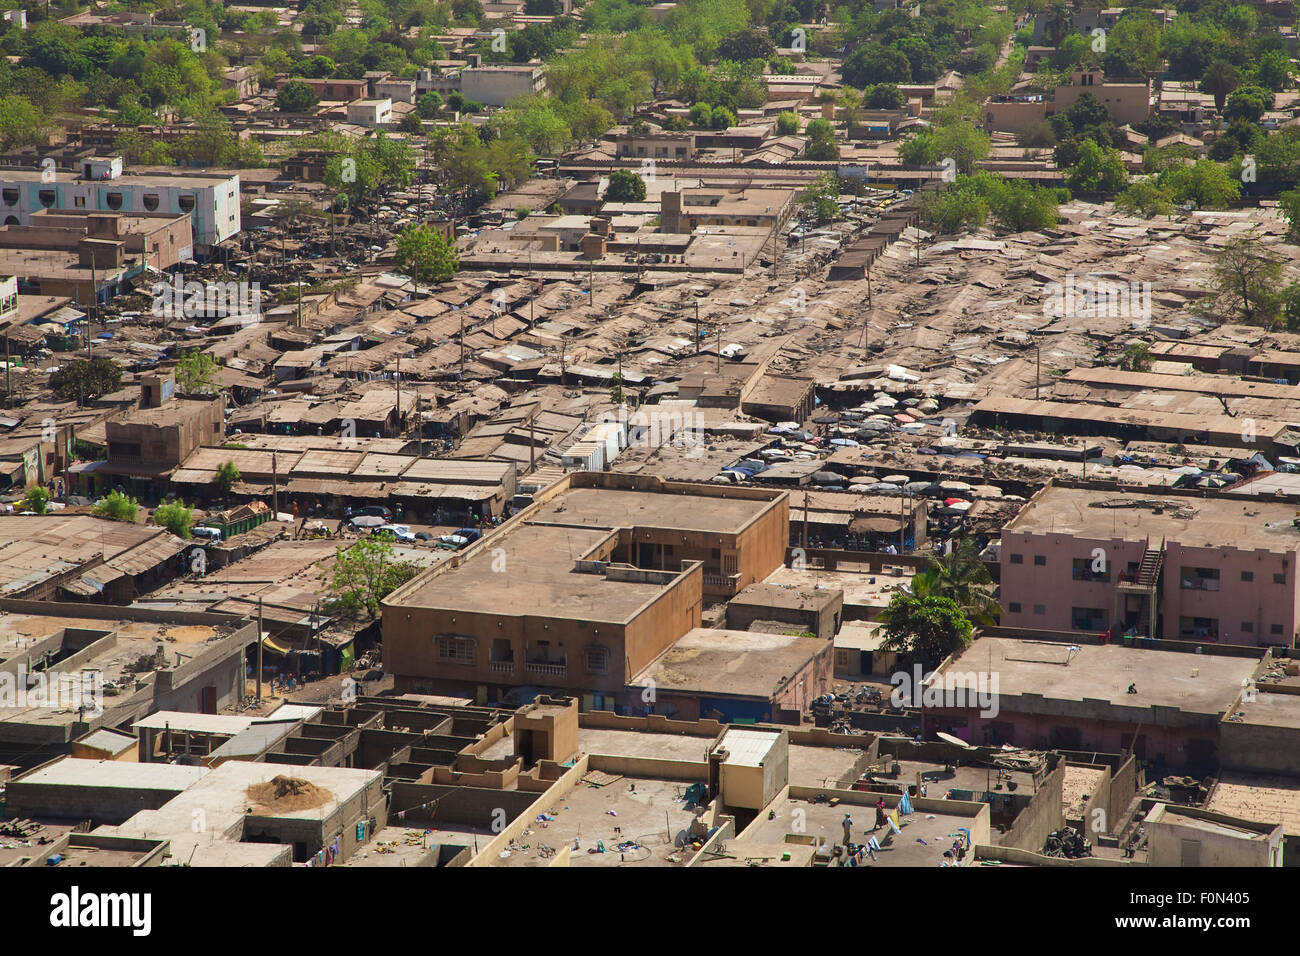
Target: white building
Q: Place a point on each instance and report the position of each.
(370, 113)
(212, 201)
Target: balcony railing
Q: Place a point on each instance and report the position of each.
(722, 582)
(547, 668)
(501, 667)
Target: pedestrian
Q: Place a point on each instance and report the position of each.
(880, 814)
(848, 830)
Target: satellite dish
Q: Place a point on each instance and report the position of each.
(955, 741)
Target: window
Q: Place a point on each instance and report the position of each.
(1088, 619)
(1247, 627)
(1279, 578)
(46, 196)
(186, 203)
(1040, 560)
(10, 196)
(1017, 559)
(1083, 570)
(1040, 609)
(456, 650)
(1248, 575)
(150, 201)
(79, 201)
(1014, 607)
(114, 200)
(598, 659)
(1199, 579)
(1275, 629)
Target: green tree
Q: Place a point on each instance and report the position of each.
(228, 476)
(1273, 70)
(196, 373)
(117, 506)
(175, 517)
(410, 124)
(821, 145)
(1289, 204)
(927, 629)
(962, 577)
(1244, 281)
(1098, 171)
(21, 123)
(787, 123)
(36, 499)
(425, 255)
(822, 198)
(625, 186)
(1136, 358)
(1248, 103)
(429, 105)
(1205, 183)
(364, 575)
(296, 97)
(744, 45)
(883, 96)
(1145, 198)
(86, 379)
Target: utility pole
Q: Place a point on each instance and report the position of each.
(697, 328)
(805, 520)
(902, 524)
(1038, 368)
(259, 649)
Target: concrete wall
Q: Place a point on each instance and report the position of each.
(1168, 834)
(1042, 816)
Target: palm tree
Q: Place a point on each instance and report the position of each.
(961, 576)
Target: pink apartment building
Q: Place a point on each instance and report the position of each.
(1174, 565)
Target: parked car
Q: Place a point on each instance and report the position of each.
(469, 534)
(399, 531)
(452, 541)
(208, 534)
(373, 511)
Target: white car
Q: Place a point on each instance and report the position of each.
(399, 531)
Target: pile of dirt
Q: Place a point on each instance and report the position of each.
(283, 794)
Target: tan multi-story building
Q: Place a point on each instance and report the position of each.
(1126, 102)
(583, 589)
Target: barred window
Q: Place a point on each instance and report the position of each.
(458, 650)
(598, 659)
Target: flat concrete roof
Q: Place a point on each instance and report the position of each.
(862, 587)
(735, 663)
(1269, 710)
(115, 774)
(786, 596)
(535, 575)
(652, 816)
(1263, 798)
(1104, 672)
(180, 722)
(825, 821)
(747, 748)
(1191, 522)
(627, 508)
